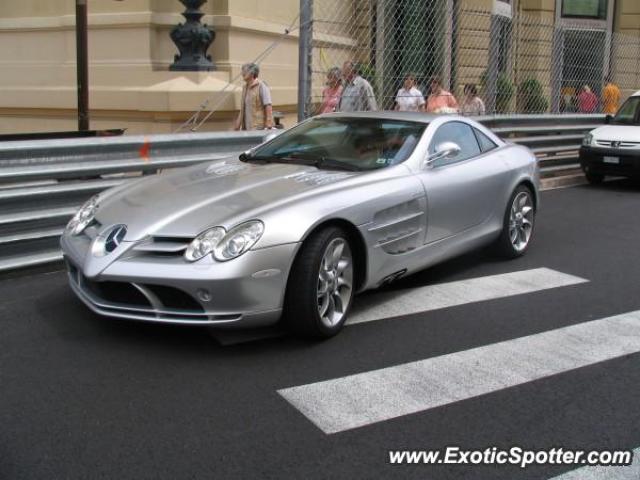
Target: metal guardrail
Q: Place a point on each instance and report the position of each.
(43, 182)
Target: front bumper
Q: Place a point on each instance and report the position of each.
(245, 292)
(592, 161)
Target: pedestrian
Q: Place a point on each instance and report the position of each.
(610, 97)
(471, 103)
(409, 98)
(357, 94)
(439, 100)
(332, 92)
(587, 100)
(256, 111)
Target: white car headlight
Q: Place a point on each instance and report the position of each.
(83, 217)
(238, 240)
(204, 244)
(587, 140)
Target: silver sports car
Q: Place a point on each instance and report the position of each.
(293, 228)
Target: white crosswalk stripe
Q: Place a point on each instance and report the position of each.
(392, 304)
(362, 399)
(631, 472)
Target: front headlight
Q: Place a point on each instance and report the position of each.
(587, 140)
(204, 244)
(83, 217)
(238, 240)
(225, 247)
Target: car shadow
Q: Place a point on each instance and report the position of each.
(615, 185)
(74, 323)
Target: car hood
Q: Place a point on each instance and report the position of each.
(185, 202)
(619, 133)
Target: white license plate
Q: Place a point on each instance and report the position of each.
(611, 159)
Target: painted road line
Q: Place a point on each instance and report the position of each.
(365, 398)
(632, 472)
(392, 304)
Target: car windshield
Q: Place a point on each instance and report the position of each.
(343, 143)
(628, 113)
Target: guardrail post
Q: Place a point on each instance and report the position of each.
(492, 67)
(304, 59)
(82, 65)
(556, 69)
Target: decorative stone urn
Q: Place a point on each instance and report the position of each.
(193, 40)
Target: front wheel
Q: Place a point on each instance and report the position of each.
(320, 287)
(518, 223)
(594, 178)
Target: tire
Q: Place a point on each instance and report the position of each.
(517, 225)
(594, 178)
(320, 286)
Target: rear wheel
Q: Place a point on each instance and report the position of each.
(320, 286)
(518, 222)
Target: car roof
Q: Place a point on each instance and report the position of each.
(386, 114)
(420, 117)
(637, 94)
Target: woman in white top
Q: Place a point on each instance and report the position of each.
(409, 98)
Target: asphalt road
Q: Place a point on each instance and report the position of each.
(84, 397)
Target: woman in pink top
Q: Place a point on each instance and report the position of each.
(440, 101)
(587, 100)
(331, 94)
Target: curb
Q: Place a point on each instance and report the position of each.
(564, 181)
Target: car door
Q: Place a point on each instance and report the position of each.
(462, 191)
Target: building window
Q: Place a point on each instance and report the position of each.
(592, 9)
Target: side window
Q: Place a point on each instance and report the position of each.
(459, 133)
(485, 142)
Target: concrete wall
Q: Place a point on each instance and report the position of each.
(130, 52)
(626, 45)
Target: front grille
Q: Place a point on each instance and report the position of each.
(173, 298)
(163, 246)
(158, 303)
(610, 143)
(117, 292)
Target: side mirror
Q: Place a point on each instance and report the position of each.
(608, 119)
(444, 150)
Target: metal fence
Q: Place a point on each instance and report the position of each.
(517, 61)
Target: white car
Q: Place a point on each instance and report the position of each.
(614, 149)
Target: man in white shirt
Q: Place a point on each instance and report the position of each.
(409, 98)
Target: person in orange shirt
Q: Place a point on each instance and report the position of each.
(610, 97)
(440, 101)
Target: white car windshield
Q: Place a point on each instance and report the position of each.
(344, 143)
(628, 113)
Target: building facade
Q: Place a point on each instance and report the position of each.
(130, 52)
(555, 44)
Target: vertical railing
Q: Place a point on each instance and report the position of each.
(304, 59)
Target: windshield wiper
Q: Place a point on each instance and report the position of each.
(300, 158)
(337, 164)
(246, 157)
(324, 162)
